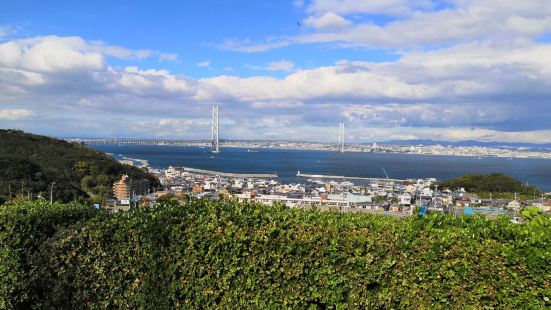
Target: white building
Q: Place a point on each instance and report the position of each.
(404, 199)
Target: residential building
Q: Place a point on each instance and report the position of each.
(125, 188)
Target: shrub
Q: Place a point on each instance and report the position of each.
(24, 226)
(225, 254)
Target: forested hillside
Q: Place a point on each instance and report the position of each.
(29, 164)
(496, 183)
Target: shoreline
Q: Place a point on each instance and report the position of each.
(512, 155)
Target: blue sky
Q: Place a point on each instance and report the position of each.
(390, 69)
(190, 29)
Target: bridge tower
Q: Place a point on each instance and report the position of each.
(341, 137)
(215, 129)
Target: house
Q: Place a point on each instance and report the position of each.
(197, 188)
(514, 205)
(404, 199)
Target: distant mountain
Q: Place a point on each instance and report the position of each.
(468, 143)
(32, 163)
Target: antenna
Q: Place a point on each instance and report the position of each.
(341, 137)
(215, 129)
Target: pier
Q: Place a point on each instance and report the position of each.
(231, 175)
(320, 176)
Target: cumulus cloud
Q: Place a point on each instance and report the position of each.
(493, 87)
(16, 114)
(53, 53)
(329, 20)
(48, 54)
(412, 24)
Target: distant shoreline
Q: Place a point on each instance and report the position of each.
(392, 149)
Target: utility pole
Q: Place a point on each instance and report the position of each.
(215, 130)
(52, 192)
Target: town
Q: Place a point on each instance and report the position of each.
(379, 196)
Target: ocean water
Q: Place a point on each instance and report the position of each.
(287, 162)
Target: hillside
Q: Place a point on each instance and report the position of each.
(29, 164)
(496, 183)
(225, 254)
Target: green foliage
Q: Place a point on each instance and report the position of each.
(24, 226)
(167, 198)
(491, 183)
(534, 215)
(172, 198)
(379, 199)
(31, 163)
(225, 254)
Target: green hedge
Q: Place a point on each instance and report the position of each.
(224, 254)
(24, 227)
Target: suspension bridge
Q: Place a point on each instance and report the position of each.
(214, 142)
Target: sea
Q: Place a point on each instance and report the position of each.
(286, 163)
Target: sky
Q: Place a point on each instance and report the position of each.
(448, 70)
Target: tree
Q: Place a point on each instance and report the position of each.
(78, 171)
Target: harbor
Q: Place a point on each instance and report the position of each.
(339, 177)
(230, 175)
(285, 163)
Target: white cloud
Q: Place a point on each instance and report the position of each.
(386, 7)
(329, 20)
(168, 57)
(453, 134)
(6, 31)
(48, 54)
(205, 63)
(249, 46)
(281, 65)
(492, 87)
(16, 114)
(420, 24)
(125, 53)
